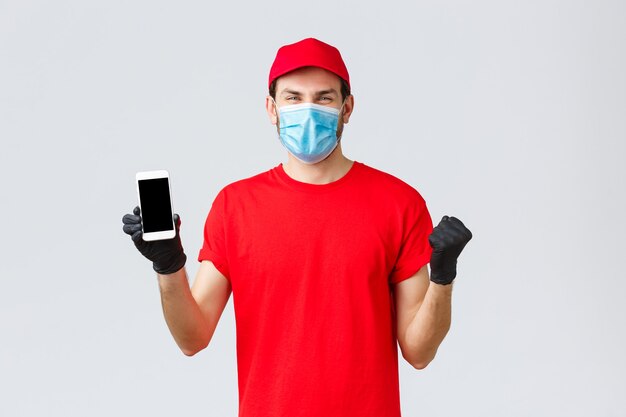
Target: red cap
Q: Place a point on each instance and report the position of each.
(308, 52)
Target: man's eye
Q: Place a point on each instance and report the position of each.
(292, 98)
(325, 99)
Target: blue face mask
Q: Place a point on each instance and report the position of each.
(308, 131)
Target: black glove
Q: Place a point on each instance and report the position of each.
(447, 240)
(167, 255)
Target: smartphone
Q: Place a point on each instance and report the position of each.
(155, 202)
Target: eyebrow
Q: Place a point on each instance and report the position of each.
(324, 92)
(317, 93)
(294, 92)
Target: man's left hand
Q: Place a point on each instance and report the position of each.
(447, 240)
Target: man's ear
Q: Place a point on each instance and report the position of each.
(348, 106)
(270, 107)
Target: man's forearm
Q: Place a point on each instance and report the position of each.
(182, 314)
(429, 326)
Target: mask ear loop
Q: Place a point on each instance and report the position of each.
(341, 114)
(342, 104)
(277, 119)
(275, 109)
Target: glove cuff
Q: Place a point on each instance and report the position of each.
(174, 265)
(443, 278)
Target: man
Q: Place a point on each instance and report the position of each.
(326, 259)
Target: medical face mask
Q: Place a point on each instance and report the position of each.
(309, 131)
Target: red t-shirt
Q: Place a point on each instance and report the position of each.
(311, 269)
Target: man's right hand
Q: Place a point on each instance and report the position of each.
(167, 255)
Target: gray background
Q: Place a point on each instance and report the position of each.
(508, 115)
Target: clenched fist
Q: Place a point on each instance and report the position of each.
(447, 240)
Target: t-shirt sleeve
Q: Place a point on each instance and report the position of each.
(415, 250)
(214, 245)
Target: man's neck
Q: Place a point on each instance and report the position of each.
(324, 172)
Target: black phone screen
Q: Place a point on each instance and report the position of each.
(156, 207)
